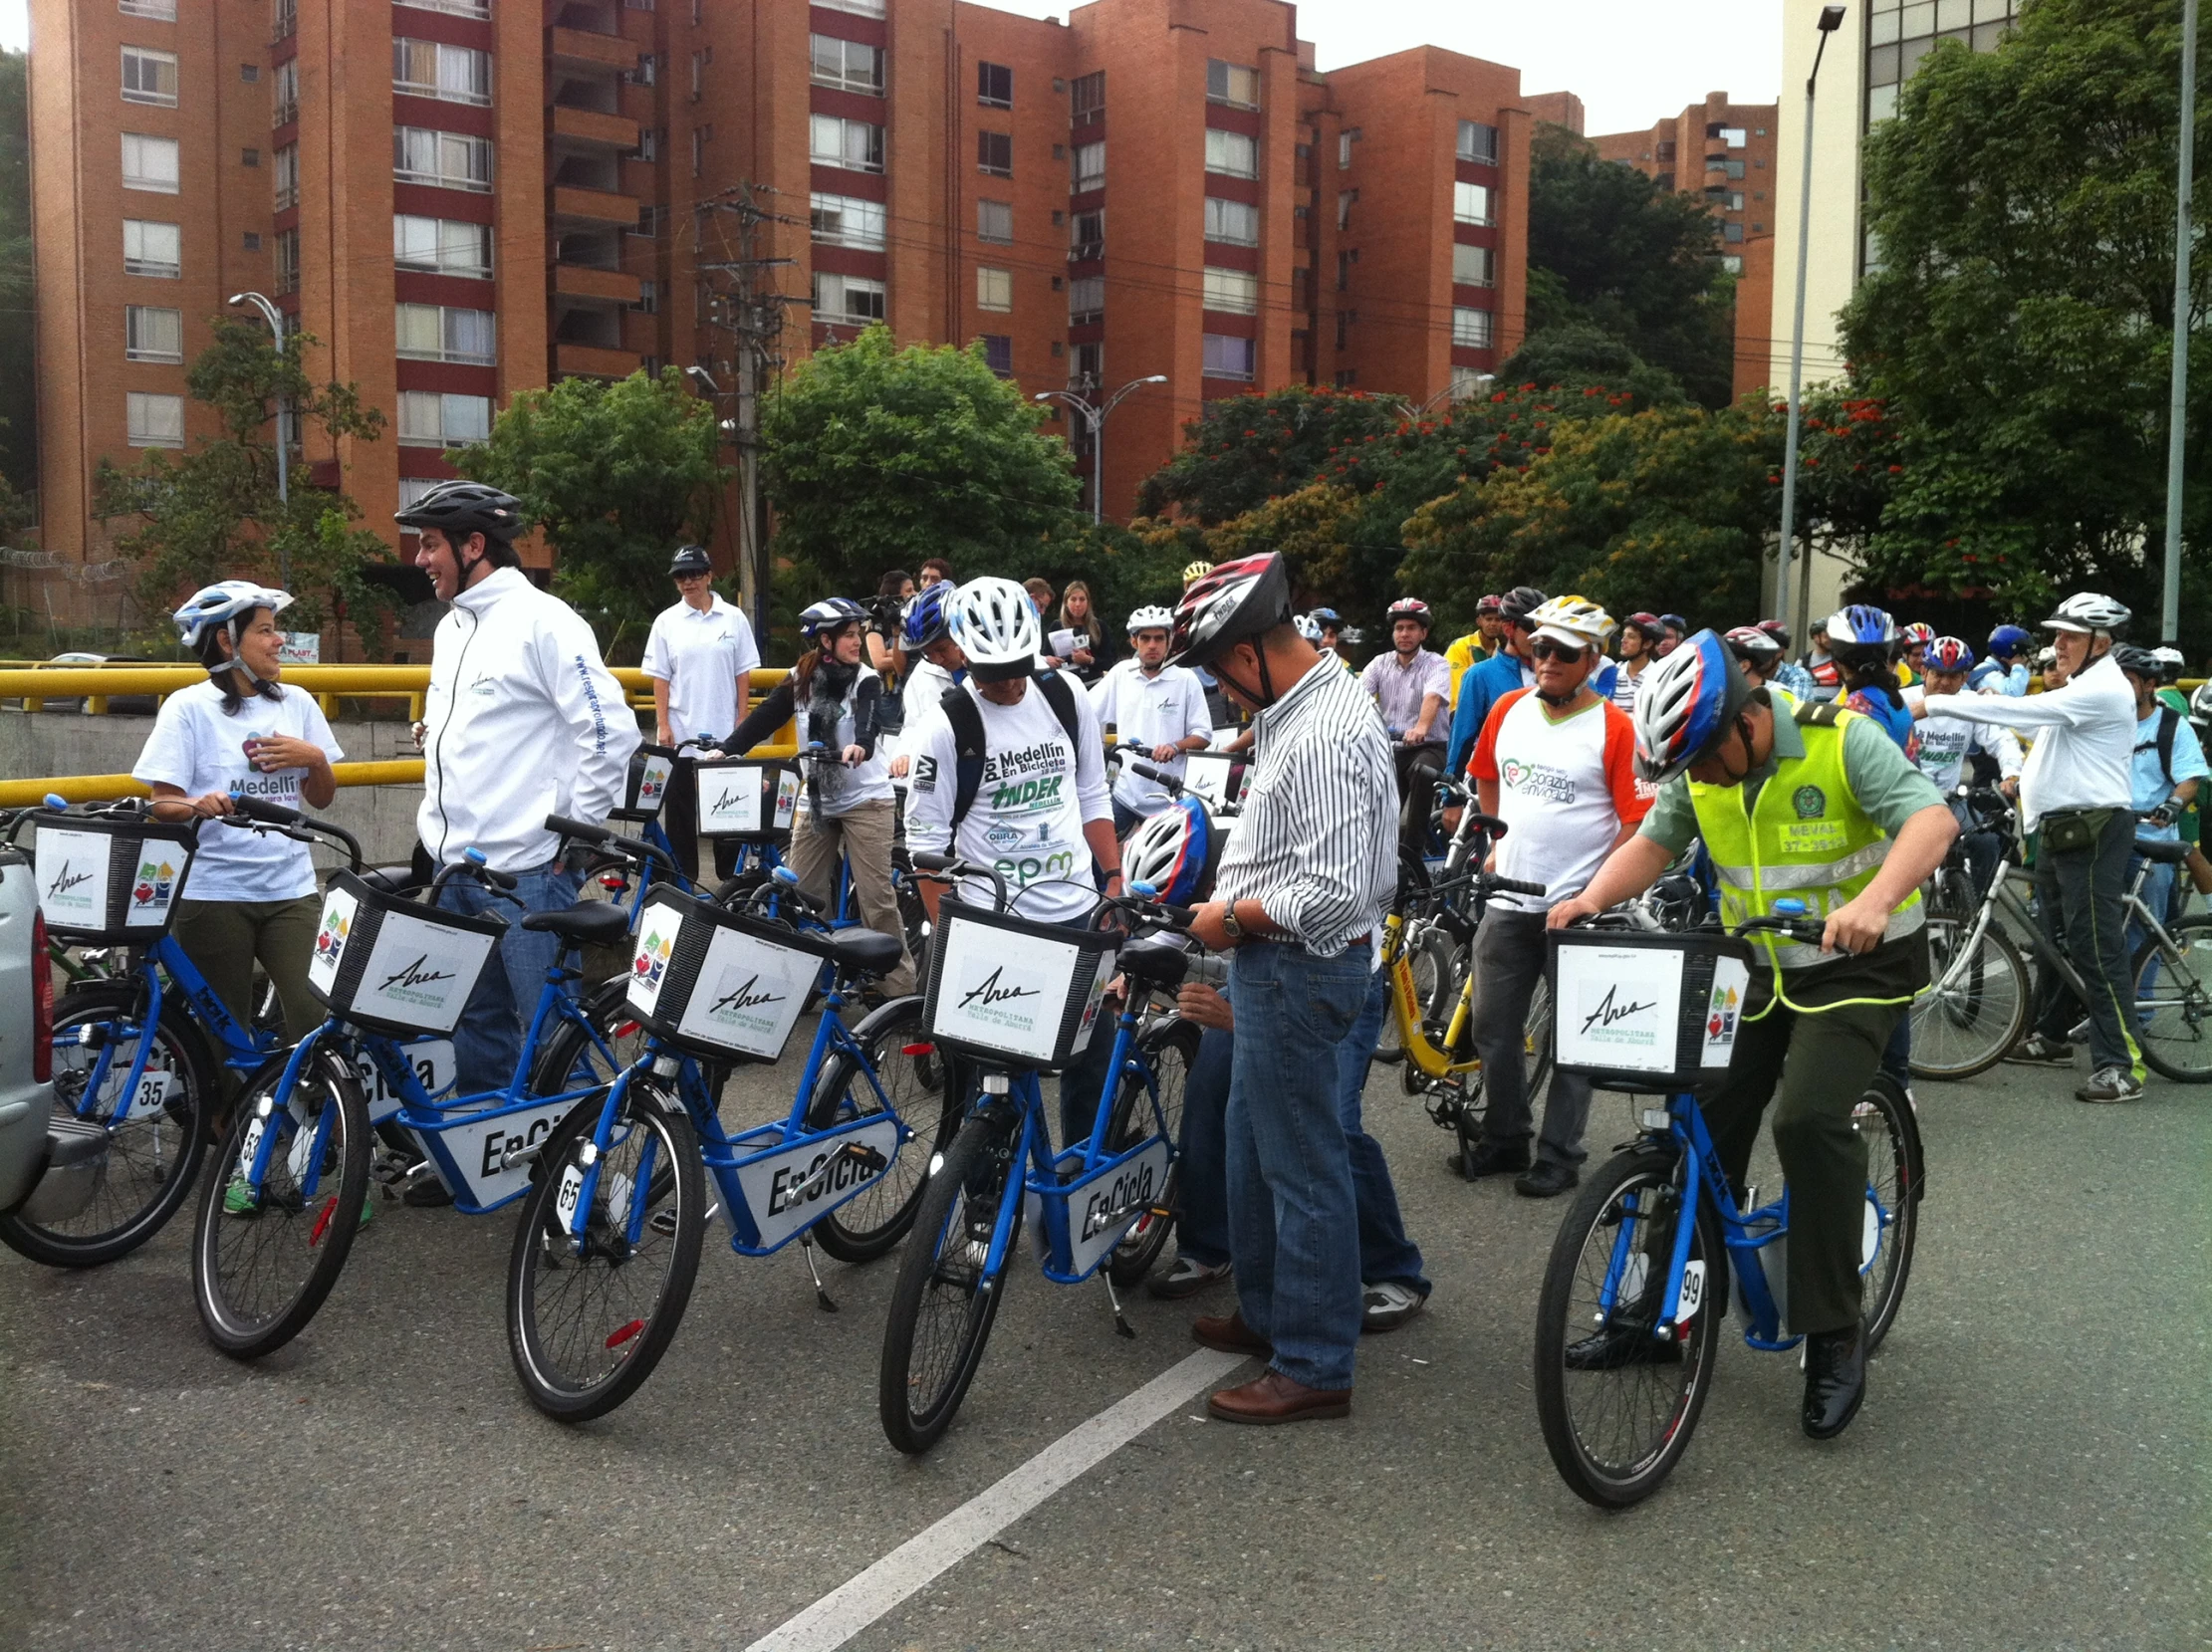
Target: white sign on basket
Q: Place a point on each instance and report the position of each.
(748, 994)
(1207, 774)
(777, 1191)
(1005, 991)
(652, 780)
(649, 966)
(419, 974)
(156, 884)
(1619, 1008)
(73, 877)
(1724, 1009)
(339, 909)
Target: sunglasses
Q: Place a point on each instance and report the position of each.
(1545, 648)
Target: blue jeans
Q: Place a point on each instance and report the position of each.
(1293, 1231)
(1384, 1251)
(1202, 1181)
(488, 1042)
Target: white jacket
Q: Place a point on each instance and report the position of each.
(523, 720)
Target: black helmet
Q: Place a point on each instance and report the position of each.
(1519, 603)
(458, 509)
(690, 559)
(2135, 660)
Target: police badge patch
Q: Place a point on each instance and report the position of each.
(1811, 803)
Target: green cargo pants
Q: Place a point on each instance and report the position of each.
(223, 938)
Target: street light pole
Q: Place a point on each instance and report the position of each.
(1832, 19)
(2177, 422)
(275, 318)
(1094, 416)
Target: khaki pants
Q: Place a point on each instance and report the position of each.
(223, 938)
(863, 835)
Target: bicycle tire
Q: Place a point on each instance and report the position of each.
(1618, 1476)
(1966, 1028)
(635, 1332)
(867, 1225)
(981, 1154)
(1428, 956)
(2176, 1036)
(1895, 1172)
(248, 1330)
(107, 1230)
(1169, 1051)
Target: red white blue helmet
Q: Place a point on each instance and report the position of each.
(1949, 653)
(1409, 608)
(1686, 703)
(1917, 634)
(1175, 853)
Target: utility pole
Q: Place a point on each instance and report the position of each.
(275, 318)
(2178, 410)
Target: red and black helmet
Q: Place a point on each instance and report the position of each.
(1233, 602)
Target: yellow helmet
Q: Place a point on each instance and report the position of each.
(1573, 619)
(1196, 570)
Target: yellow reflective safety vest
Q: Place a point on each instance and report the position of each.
(1806, 838)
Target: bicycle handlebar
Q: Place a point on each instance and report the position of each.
(290, 823)
(1510, 885)
(945, 869)
(611, 842)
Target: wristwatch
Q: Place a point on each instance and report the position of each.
(1229, 925)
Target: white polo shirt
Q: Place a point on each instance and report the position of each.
(1169, 706)
(698, 653)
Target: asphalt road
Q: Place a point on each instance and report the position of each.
(2032, 1468)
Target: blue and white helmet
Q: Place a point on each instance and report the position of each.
(928, 617)
(221, 603)
(830, 614)
(1685, 704)
(1308, 627)
(1861, 626)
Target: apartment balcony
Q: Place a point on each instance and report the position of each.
(585, 49)
(576, 208)
(591, 361)
(575, 281)
(588, 128)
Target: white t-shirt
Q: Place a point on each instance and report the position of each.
(196, 749)
(1149, 711)
(918, 695)
(1029, 812)
(1565, 789)
(698, 654)
(1945, 742)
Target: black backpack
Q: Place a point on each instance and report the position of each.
(967, 735)
(2169, 723)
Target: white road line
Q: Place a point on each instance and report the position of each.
(850, 1607)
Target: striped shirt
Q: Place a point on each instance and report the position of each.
(1317, 845)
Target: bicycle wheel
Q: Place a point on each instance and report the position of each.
(2173, 1002)
(1619, 1405)
(152, 1156)
(942, 1305)
(1169, 1051)
(912, 1077)
(587, 1322)
(1883, 1119)
(1975, 1009)
(1537, 1032)
(263, 1263)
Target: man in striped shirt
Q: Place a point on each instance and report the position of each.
(1300, 895)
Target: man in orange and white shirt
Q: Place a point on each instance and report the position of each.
(1556, 764)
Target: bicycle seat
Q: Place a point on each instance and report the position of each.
(865, 952)
(392, 881)
(587, 923)
(1159, 961)
(2167, 851)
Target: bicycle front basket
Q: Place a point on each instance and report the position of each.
(111, 882)
(749, 799)
(647, 785)
(1646, 1011)
(719, 983)
(394, 965)
(1011, 989)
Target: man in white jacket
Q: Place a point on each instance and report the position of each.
(2075, 787)
(522, 720)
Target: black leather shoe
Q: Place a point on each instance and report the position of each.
(1623, 1342)
(1493, 1158)
(1545, 1179)
(1834, 1380)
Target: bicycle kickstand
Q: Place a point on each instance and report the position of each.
(821, 1295)
(1121, 1326)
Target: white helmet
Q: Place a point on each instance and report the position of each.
(227, 603)
(2200, 705)
(1308, 627)
(1152, 619)
(1573, 620)
(2088, 611)
(995, 623)
(2168, 659)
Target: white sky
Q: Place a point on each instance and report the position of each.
(1631, 61)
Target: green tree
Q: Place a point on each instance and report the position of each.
(616, 476)
(1574, 356)
(19, 446)
(1610, 249)
(2018, 325)
(214, 513)
(1245, 450)
(875, 456)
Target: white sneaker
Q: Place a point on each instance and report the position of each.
(1388, 1305)
(1188, 1277)
(2110, 1083)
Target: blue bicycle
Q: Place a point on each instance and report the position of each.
(1628, 1323)
(1013, 998)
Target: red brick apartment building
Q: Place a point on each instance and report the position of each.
(463, 199)
(1726, 153)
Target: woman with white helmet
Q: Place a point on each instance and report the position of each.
(251, 897)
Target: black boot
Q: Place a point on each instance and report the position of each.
(1834, 1380)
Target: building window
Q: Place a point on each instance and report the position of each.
(1090, 363)
(160, 11)
(249, 157)
(1469, 382)
(250, 240)
(433, 69)
(1731, 232)
(1090, 167)
(1478, 142)
(994, 153)
(1345, 140)
(458, 8)
(441, 246)
(1231, 153)
(1227, 358)
(698, 149)
(448, 160)
(288, 261)
(1236, 222)
(1087, 98)
(411, 491)
(152, 249)
(1344, 272)
(249, 72)
(859, 8)
(1087, 236)
(848, 221)
(1236, 291)
(994, 221)
(284, 93)
(1471, 204)
(1344, 318)
(846, 299)
(1347, 200)
(149, 163)
(998, 354)
(652, 220)
(432, 418)
(155, 420)
(994, 289)
(1470, 328)
(1347, 378)
(151, 335)
(1086, 301)
(1474, 266)
(846, 64)
(443, 332)
(1733, 136)
(1735, 170)
(1733, 263)
(287, 169)
(856, 145)
(148, 76)
(994, 85)
(648, 298)
(1232, 83)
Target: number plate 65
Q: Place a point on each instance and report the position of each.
(571, 1189)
